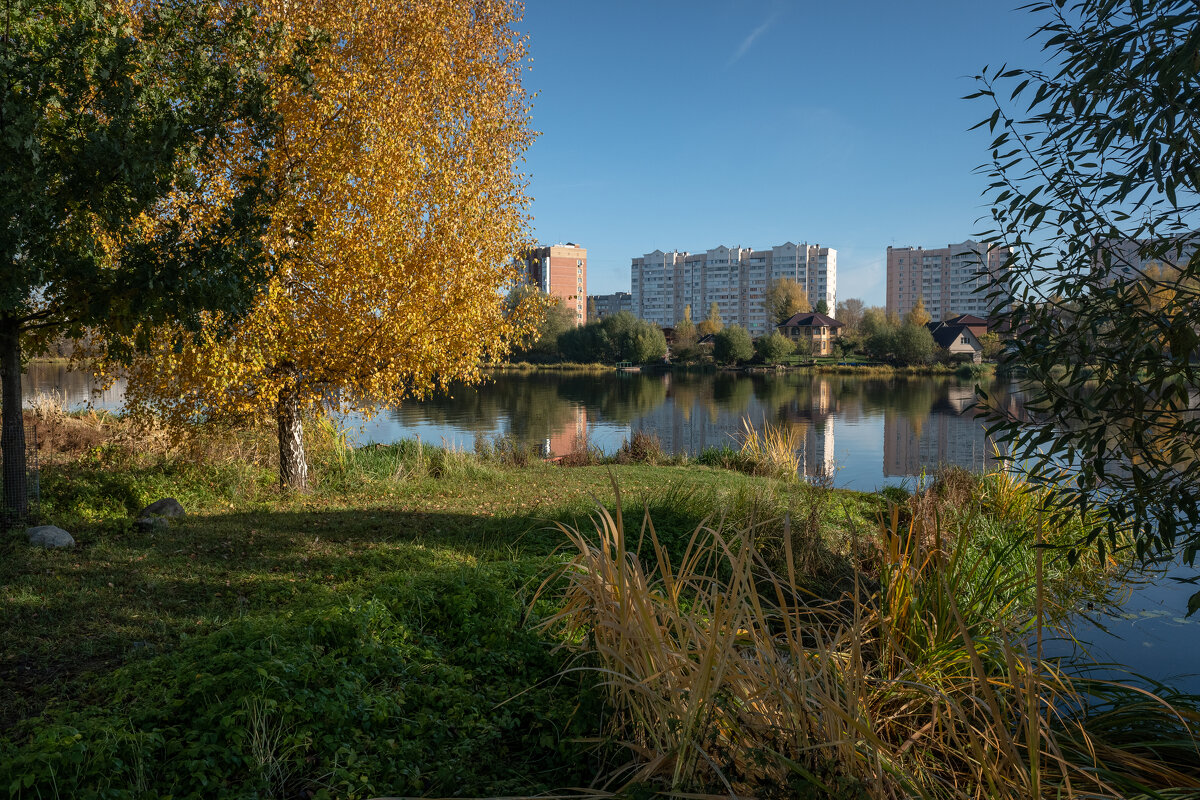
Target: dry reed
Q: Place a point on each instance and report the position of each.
(724, 679)
(772, 450)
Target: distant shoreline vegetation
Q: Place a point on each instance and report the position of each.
(833, 368)
(557, 366)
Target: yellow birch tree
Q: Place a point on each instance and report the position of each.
(917, 315)
(784, 299)
(393, 244)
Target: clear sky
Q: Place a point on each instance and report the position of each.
(686, 124)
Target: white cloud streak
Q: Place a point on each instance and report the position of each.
(746, 44)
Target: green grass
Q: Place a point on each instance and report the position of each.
(380, 635)
(372, 637)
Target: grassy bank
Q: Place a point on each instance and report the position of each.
(557, 366)
(400, 630)
(872, 370)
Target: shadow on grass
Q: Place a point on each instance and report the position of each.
(68, 617)
(386, 644)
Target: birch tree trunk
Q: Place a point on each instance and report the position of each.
(15, 504)
(293, 469)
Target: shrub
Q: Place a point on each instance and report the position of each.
(620, 337)
(406, 692)
(724, 457)
(732, 345)
(723, 678)
(643, 448)
(771, 451)
(774, 348)
(914, 344)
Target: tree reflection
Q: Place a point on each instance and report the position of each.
(925, 422)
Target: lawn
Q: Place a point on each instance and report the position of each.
(376, 636)
(424, 622)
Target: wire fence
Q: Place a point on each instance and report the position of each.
(11, 513)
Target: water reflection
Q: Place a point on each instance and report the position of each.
(863, 430)
(1145, 631)
(866, 432)
(949, 432)
(74, 389)
(705, 411)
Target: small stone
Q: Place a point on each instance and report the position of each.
(167, 507)
(50, 536)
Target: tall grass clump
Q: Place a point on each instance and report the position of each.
(583, 453)
(772, 450)
(722, 678)
(642, 448)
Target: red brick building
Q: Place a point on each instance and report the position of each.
(560, 270)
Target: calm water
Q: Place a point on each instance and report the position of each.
(74, 389)
(867, 432)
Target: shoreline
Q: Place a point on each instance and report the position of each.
(867, 370)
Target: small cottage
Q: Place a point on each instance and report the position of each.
(978, 325)
(959, 340)
(819, 330)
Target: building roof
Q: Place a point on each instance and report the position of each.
(811, 319)
(967, 319)
(945, 334)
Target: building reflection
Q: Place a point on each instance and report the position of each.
(568, 436)
(950, 432)
(699, 414)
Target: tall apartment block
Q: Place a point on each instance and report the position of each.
(735, 278)
(951, 280)
(560, 270)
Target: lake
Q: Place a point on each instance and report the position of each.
(866, 432)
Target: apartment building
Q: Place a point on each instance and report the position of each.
(950, 280)
(663, 284)
(560, 270)
(605, 305)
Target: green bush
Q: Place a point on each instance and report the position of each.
(732, 345)
(774, 348)
(620, 337)
(906, 344)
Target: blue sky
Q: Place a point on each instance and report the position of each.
(670, 124)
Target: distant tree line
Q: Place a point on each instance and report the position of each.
(867, 331)
(616, 338)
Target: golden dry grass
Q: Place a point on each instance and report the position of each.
(724, 679)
